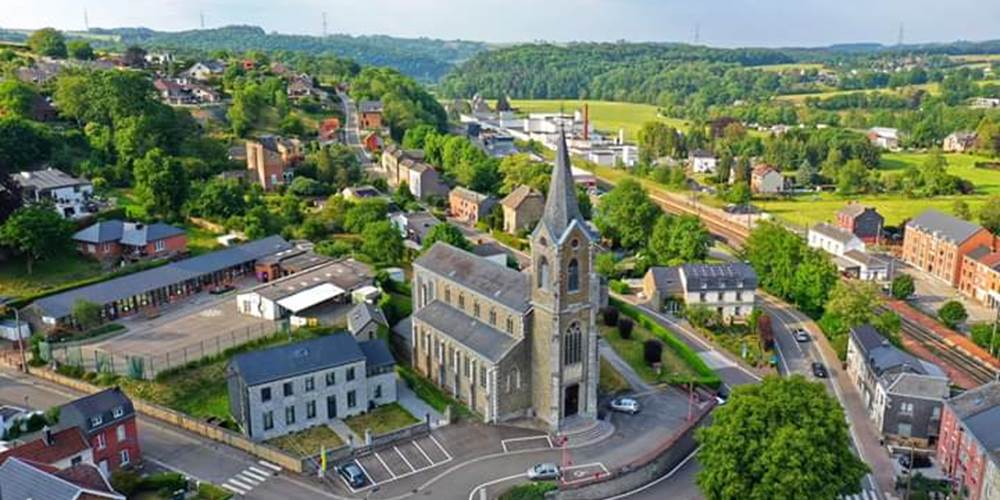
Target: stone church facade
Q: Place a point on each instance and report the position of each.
(511, 344)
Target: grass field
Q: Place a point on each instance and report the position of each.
(610, 381)
(808, 209)
(932, 88)
(50, 273)
(307, 442)
(631, 350)
(606, 116)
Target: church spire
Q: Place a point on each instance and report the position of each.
(561, 205)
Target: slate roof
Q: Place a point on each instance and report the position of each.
(921, 386)
(487, 278)
(519, 195)
(489, 249)
(979, 411)
(853, 210)
(377, 354)
(61, 304)
(561, 205)
(370, 106)
(65, 444)
(298, 358)
(138, 234)
(666, 280)
(346, 274)
(49, 178)
(728, 276)
(20, 480)
(421, 223)
(701, 153)
(833, 232)
(479, 337)
(101, 232)
(362, 314)
(866, 259)
(102, 404)
(882, 357)
(944, 226)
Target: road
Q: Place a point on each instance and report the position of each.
(167, 447)
(352, 134)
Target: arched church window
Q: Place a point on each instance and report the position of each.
(573, 283)
(543, 273)
(573, 344)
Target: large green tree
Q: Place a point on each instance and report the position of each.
(16, 98)
(447, 233)
(48, 42)
(80, 49)
(161, 184)
(37, 232)
(788, 268)
(521, 169)
(382, 242)
(782, 438)
(626, 216)
(989, 214)
(679, 239)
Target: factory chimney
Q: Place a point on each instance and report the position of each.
(586, 122)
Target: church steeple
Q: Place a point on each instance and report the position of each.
(561, 205)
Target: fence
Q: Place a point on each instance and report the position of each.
(147, 366)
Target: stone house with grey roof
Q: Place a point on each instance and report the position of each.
(937, 243)
(511, 344)
(289, 388)
(522, 209)
(365, 320)
(902, 394)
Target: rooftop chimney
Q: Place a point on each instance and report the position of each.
(47, 436)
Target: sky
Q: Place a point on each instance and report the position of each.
(725, 23)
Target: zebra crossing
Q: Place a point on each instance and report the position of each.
(251, 477)
(864, 495)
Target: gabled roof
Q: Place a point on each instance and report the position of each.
(469, 195)
(363, 314)
(519, 195)
(979, 411)
(377, 354)
(481, 338)
(764, 169)
(853, 210)
(666, 280)
(833, 232)
(101, 232)
(701, 153)
(49, 178)
(944, 226)
(65, 444)
(138, 234)
(105, 404)
(21, 480)
(370, 106)
(297, 358)
(917, 385)
(882, 357)
(480, 275)
(561, 205)
(727, 276)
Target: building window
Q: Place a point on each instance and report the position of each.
(118, 412)
(352, 399)
(331, 407)
(482, 377)
(310, 410)
(102, 442)
(906, 408)
(378, 391)
(573, 282)
(447, 295)
(350, 374)
(510, 325)
(268, 420)
(461, 300)
(465, 367)
(475, 310)
(331, 378)
(95, 421)
(573, 345)
(161, 245)
(289, 415)
(265, 394)
(77, 460)
(542, 276)
(120, 433)
(310, 384)
(124, 457)
(288, 389)
(493, 317)
(905, 430)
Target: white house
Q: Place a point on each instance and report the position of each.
(728, 289)
(884, 137)
(849, 253)
(702, 162)
(71, 196)
(833, 240)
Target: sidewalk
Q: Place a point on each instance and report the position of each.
(416, 406)
(633, 378)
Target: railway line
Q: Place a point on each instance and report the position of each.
(949, 353)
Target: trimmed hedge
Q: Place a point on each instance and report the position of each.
(706, 376)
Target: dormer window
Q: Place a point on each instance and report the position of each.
(95, 421)
(118, 412)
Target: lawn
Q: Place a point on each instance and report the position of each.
(307, 442)
(59, 270)
(809, 209)
(201, 240)
(606, 116)
(383, 419)
(631, 350)
(529, 491)
(610, 381)
(430, 393)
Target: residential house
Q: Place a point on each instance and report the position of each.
(833, 240)
(173, 92)
(981, 276)
(328, 130)
(71, 196)
(848, 252)
(522, 209)
(370, 115)
(302, 86)
(39, 73)
(864, 222)
(968, 450)
(902, 394)
(884, 137)
(765, 179)
(107, 420)
(115, 238)
(985, 102)
(728, 289)
(273, 160)
(292, 387)
(365, 320)
(936, 243)
(702, 162)
(24, 480)
(356, 193)
(372, 142)
(205, 70)
(414, 226)
(959, 142)
(662, 287)
(11, 415)
(62, 449)
(469, 206)
(407, 166)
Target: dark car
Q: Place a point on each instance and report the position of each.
(919, 461)
(221, 289)
(819, 371)
(353, 475)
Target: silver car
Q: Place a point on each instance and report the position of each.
(625, 405)
(801, 335)
(544, 472)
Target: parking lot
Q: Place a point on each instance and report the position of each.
(399, 461)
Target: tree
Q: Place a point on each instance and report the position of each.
(365, 212)
(677, 239)
(161, 184)
(447, 233)
(292, 125)
(952, 313)
(10, 195)
(806, 174)
(17, 98)
(415, 137)
(854, 302)
(134, 56)
(221, 199)
(625, 326)
(747, 450)
(80, 50)
(382, 242)
(604, 264)
(48, 42)
(87, 314)
(626, 215)
(989, 214)
(903, 287)
(652, 351)
(37, 232)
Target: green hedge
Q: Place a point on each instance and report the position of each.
(706, 376)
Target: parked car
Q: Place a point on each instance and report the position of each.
(801, 335)
(919, 461)
(625, 405)
(353, 475)
(819, 371)
(221, 289)
(544, 472)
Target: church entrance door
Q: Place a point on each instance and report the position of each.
(571, 401)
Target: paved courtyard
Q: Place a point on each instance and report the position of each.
(932, 293)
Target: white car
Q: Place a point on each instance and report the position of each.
(544, 472)
(625, 405)
(801, 335)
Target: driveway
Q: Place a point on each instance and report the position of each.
(932, 293)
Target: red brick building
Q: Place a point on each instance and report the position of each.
(969, 445)
(107, 421)
(469, 206)
(861, 221)
(370, 115)
(112, 239)
(937, 243)
(272, 160)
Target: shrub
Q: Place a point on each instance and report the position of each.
(209, 491)
(125, 482)
(164, 481)
(610, 315)
(902, 286)
(625, 326)
(952, 313)
(619, 287)
(652, 351)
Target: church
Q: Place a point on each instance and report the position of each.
(509, 344)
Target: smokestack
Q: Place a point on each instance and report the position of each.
(586, 122)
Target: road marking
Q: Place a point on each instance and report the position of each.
(269, 465)
(234, 482)
(254, 476)
(583, 476)
(379, 457)
(365, 472)
(258, 471)
(483, 486)
(660, 479)
(234, 489)
(408, 464)
(503, 442)
(249, 480)
(422, 452)
(440, 448)
(781, 356)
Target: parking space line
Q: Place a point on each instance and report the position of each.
(371, 480)
(407, 462)
(379, 457)
(503, 442)
(440, 447)
(422, 452)
(582, 466)
(549, 439)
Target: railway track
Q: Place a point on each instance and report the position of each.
(947, 352)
